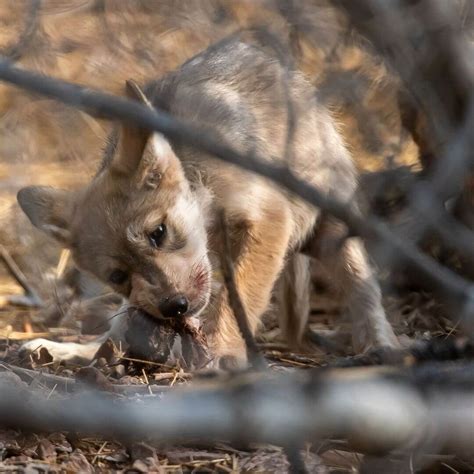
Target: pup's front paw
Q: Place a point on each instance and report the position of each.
(373, 333)
(372, 345)
(228, 362)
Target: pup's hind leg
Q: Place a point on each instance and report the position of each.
(347, 263)
(292, 297)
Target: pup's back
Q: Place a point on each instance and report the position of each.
(241, 92)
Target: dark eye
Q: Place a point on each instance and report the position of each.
(158, 235)
(118, 277)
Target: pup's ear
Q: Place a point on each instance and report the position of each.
(48, 209)
(135, 143)
(132, 140)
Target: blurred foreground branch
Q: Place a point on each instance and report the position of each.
(428, 408)
(446, 284)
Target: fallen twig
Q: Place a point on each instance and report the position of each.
(70, 385)
(30, 298)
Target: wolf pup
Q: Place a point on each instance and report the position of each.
(146, 223)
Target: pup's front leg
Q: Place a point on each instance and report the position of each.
(258, 249)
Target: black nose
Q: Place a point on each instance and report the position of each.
(173, 306)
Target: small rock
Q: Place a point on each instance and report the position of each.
(102, 362)
(141, 451)
(145, 465)
(77, 462)
(60, 442)
(119, 371)
(139, 466)
(107, 351)
(130, 380)
(46, 450)
(10, 449)
(94, 378)
(11, 384)
(20, 459)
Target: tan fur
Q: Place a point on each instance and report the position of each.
(238, 90)
(292, 295)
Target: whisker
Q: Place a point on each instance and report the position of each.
(110, 318)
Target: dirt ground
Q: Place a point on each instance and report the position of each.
(101, 44)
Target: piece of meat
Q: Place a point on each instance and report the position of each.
(163, 341)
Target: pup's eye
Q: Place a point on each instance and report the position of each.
(118, 277)
(158, 235)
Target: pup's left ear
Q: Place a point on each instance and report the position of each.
(49, 210)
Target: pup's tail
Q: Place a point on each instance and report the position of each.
(292, 297)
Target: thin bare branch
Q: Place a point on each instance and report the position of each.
(30, 298)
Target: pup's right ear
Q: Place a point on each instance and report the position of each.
(132, 139)
(48, 209)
